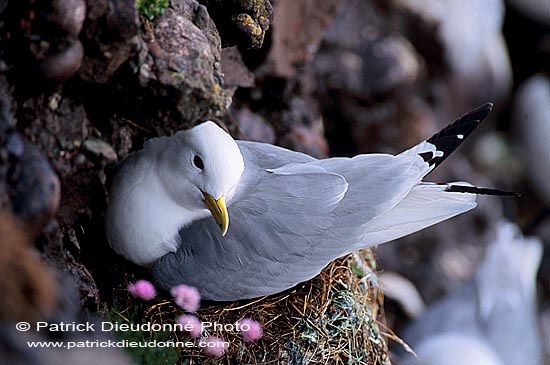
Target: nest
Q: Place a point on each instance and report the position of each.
(331, 319)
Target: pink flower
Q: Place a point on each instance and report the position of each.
(213, 346)
(191, 325)
(142, 289)
(187, 297)
(250, 329)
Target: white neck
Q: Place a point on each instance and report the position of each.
(149, 232)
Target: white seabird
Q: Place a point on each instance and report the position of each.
(493, 319)
(291, 214)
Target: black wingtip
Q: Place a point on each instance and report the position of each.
(449, 138)
(480, 191)
(479, 113)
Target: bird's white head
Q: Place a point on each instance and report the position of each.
(200, 168)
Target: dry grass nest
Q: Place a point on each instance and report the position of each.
(331, 319)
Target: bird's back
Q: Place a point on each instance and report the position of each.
(290, 217)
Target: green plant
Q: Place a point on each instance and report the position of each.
(149, 355)
(151, 8)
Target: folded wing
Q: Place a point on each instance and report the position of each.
(287, 221)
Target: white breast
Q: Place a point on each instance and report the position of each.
(141, 220)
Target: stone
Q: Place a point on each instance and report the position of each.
(241, 22)
(184, 61)
(101, 149)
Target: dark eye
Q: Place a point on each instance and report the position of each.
(197, 161)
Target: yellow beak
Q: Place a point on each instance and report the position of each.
(218, 210)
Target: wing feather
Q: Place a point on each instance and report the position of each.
(423, 207)
(276, 220)
(287, 220)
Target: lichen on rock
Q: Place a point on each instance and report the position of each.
(184, 56)
(241, 22)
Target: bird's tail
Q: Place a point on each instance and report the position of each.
(453, 188)
(426, 205)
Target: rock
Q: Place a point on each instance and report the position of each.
(7, 121)
(122, 139)
(79, 160)
(241, 22)
(28, 185)
(384, 67)
(248, 26)
(31, 186)
(369, 78)
(184, 59)
(99, 148)
(297, 33)
(235, 72)
(45, 40)
(68, 15)
(254, 127)
(58, 132)
(283, 93)
(53, 29)
(14, 145)
(377, 66)
(64, 63)
(109, 39)
(307, 140)
(37, 190)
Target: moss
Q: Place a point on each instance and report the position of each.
(151, 8)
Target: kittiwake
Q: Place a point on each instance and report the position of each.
(491, 320)
(283, 215)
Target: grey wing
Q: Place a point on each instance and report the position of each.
(378, 182)
(287, 221)
(276, 219)
(268, 156)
